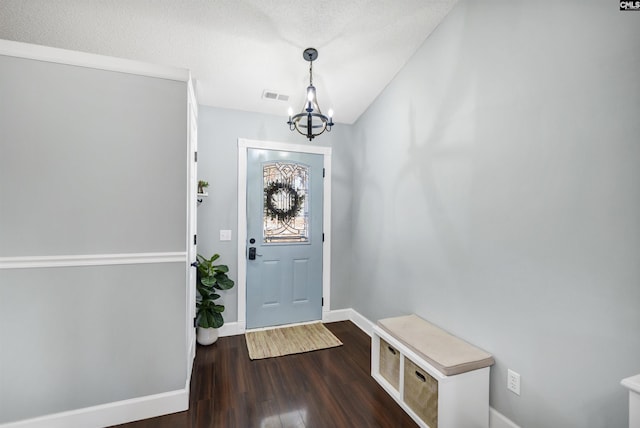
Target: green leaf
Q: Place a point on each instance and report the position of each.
(210, 319)
(224, 284)
(207, 318)
(221, 268)
(202, 320)
(208, 281)
(217, 321)
(218, 308)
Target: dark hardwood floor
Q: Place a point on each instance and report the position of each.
(326, 388)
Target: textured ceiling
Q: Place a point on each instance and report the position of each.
(236, 49)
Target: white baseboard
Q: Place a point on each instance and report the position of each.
(349, 315)
(235, 328)
(230, 329)
(337, 315)
(363, 323)
(498, 420)
(109, 414)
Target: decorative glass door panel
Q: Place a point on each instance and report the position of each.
(286, 202)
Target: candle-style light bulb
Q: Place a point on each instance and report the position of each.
(330, 114)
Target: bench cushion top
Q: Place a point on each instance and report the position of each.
(449, 354)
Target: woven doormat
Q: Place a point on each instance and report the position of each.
(289, 340)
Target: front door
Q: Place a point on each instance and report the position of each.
(284, 237)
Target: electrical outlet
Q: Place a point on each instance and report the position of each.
(513, 381)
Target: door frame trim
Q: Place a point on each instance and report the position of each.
(243, 145)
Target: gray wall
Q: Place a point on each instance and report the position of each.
(75, 337)
(496, 194)
(91, 162)
(85, 156)
(218, 133)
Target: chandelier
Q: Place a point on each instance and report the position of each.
(310, 122)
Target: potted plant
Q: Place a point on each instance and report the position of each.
(202, 185)
(211, 278)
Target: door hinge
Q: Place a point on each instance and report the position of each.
(195, 156)
(323, 172)
(195, 239)
(323, 301)
(195, 322)
(323, 237)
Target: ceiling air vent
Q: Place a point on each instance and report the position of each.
(271, 95)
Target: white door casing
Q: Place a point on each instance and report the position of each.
(243, 146)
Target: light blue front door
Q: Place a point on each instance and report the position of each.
(284, 237)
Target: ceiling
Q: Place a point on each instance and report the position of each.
(237, 49)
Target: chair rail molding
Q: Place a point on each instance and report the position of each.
(30, 262)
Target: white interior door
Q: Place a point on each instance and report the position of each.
(192, 225)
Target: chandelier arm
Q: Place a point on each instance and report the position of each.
(306, 126)
(312, 135)
(299, 116)
(308, 129)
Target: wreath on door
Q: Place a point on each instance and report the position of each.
(282, 201)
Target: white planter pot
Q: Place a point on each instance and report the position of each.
(206, 336)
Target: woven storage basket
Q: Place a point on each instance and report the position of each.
(390, 364)
(421, 393)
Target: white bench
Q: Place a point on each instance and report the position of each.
(633, 383)
(440, 380)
